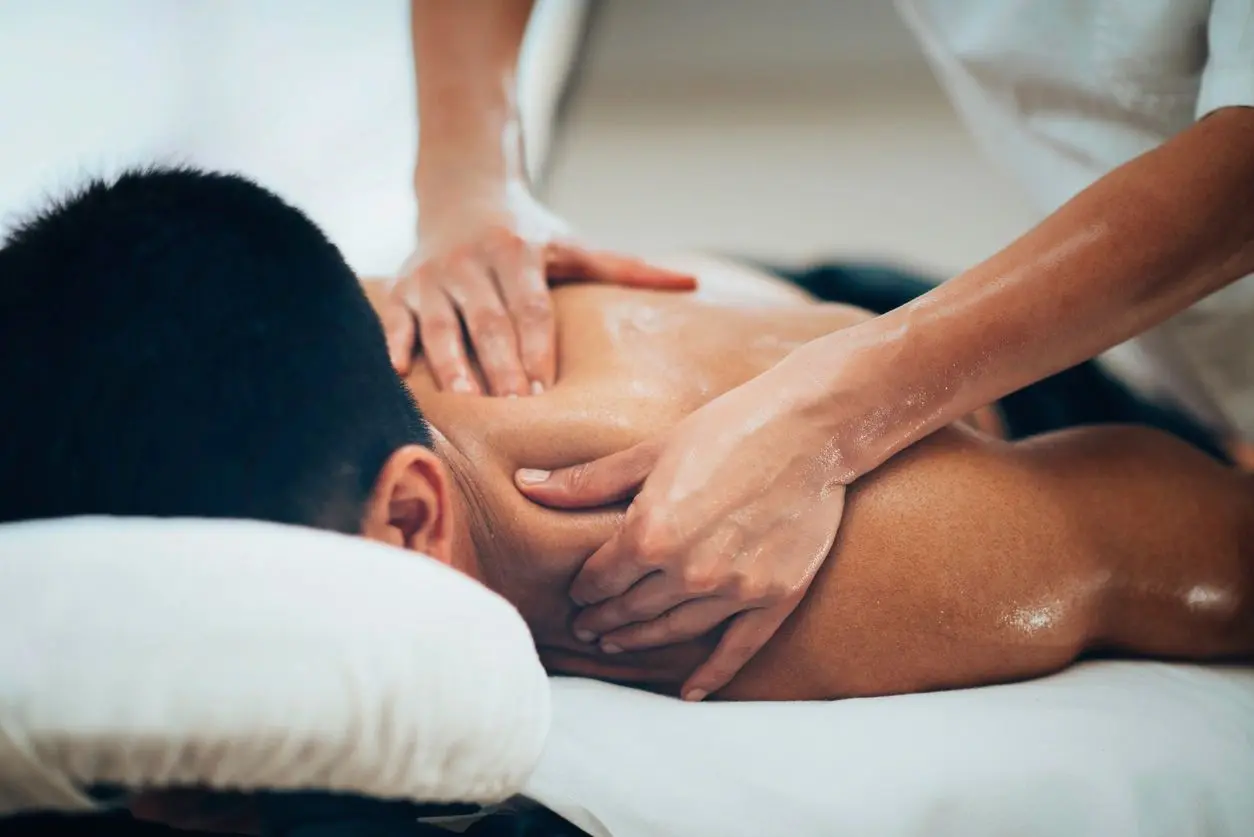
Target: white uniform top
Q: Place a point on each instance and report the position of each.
(1059, 92)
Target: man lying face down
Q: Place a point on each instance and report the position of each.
(179, 343)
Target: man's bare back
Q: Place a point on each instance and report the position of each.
(963, 561)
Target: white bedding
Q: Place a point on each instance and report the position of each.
(1113, 749)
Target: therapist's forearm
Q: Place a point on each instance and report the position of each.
(466, 60)
(1136, 247)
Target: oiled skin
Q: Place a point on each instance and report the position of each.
(963, 561)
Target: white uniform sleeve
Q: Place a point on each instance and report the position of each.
(1229, 75)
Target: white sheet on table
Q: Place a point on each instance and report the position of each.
(1103, 749)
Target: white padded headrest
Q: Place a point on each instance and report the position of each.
(240, 655)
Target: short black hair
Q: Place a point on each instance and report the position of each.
(181, 343)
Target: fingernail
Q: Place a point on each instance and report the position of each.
(611, 648)
(461, 385)
(537, 388)
(585, 635)
(532, 476)
(512, 395)
(695, 695)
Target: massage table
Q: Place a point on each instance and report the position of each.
(243, 656)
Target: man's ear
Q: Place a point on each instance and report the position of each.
(412, 504)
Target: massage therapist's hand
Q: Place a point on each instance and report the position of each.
(737, 508)
(486, 257)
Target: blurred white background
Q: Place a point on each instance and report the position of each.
(780, 129)
(313, 98)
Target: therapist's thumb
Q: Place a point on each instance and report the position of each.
(610, 479)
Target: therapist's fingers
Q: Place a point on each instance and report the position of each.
(490, 329)
(601, 482)
(690, 620)
(441, 334)
(613, 568)
(654, 595)
(397, 320)
(744, 637)
(569, 262)
(520, 274)
(401, 333)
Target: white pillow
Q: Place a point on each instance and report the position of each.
(1102, 750)
(247, 655)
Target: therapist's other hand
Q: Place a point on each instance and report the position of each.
(737, 508)
(485, 261)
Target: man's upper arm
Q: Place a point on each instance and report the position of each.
(1170, 529)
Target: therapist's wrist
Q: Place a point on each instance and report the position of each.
(472, 197)
(472, 167)
(465, 181)
(469, 143)
(857, 383)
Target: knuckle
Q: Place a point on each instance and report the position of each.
(614, 613)
(655, 631)
(405, 297)
(739, 652)
(429, 274)
(441, 347)
(654, 537)
(578, 478)
(485, 319)
(739, 584)
(460, 257)
(718, 678)
(502, 239)
(784, 590)
(753, 588)
(437, 325)
(535, 309)
(697, 578)
(771, 590)
(733, 655)
(630, 611)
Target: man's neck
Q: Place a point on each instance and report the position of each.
(484, 551)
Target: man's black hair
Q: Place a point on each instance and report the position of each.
(180, 343)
